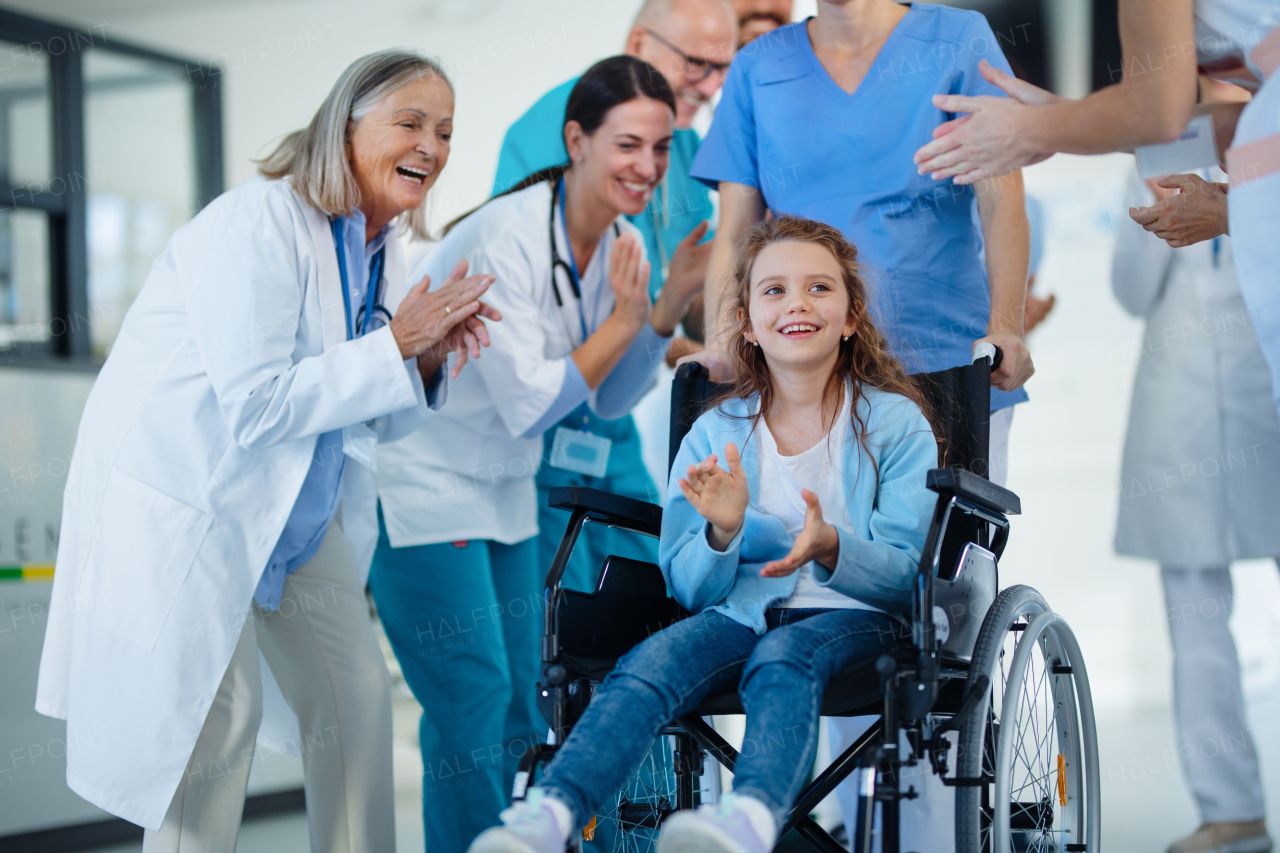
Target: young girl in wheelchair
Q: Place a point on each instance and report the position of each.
(796, 554)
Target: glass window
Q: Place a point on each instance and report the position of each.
(26, 136)
(24, 277)
(140, 176)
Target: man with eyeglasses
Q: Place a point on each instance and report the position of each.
(692, 43)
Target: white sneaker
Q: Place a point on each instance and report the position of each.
(529, 826)
(711, 829)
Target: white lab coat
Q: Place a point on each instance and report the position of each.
(1200, 477)
(471, 474)
(191, 451)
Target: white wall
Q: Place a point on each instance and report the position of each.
(280, 60)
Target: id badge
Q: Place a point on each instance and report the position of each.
(576, 450)
(360, 442)
(1194, 150)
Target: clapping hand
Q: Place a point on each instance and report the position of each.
(686, 275)
(719, 496)
(429, 324)
(1190, 210)
(817, 541)
(629, 278)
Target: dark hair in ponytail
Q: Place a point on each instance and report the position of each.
(606, 84)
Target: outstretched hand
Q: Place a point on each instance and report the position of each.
(817, 541)
(719, 496)
(986, 142)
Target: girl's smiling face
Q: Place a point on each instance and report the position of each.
(799, 306)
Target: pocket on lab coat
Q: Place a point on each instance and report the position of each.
(142, 551)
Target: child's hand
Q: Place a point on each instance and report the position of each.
(720, 497)
(818, 541)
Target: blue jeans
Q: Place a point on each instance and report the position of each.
(465, 624)
(781, 677)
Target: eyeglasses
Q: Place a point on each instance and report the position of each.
(696, 70)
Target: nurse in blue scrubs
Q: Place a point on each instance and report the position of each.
(691, 43)
(821, 119)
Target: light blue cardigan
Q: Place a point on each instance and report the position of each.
(880, 540)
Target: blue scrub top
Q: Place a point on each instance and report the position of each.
(536, 141)
(784, 126)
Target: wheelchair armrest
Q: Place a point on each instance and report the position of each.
(614, 510)
(979, 490)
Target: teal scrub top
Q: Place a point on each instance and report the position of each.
(536, 141)
(784, 126)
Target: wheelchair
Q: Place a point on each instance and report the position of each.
(996, 671)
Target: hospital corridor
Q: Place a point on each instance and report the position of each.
(692, 426)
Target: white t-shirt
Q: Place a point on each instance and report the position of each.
(820, 469)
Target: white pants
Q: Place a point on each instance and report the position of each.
(928, 823)
(322, 651)
(1214, 742)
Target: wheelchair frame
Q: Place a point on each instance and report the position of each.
(917, 680)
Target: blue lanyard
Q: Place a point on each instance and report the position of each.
(573, 271)
(375, 278)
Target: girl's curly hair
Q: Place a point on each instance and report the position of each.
(864, 359)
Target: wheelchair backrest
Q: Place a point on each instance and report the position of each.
(960, 397)
(691, 391)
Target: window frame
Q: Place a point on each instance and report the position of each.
(69, 339)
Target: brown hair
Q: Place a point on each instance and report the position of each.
(864, 358)
(610, 82)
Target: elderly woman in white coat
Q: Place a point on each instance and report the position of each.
(1200, 487)
(237, 412)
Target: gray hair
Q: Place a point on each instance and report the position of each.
(314, 159)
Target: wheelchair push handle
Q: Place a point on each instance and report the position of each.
(989, 351)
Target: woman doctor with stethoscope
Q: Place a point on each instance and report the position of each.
(456, 576)
(238, 411)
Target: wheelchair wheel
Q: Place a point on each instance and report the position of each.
(629, 824)
(1031, 740)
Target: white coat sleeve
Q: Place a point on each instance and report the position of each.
(522, 381)
(244, 299)
(1141, 261)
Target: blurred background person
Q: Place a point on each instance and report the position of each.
(691, 42)
(1200, 484)
(1233, 40)
(757, 17)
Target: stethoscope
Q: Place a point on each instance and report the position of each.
(570, 266)
(372, 311)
